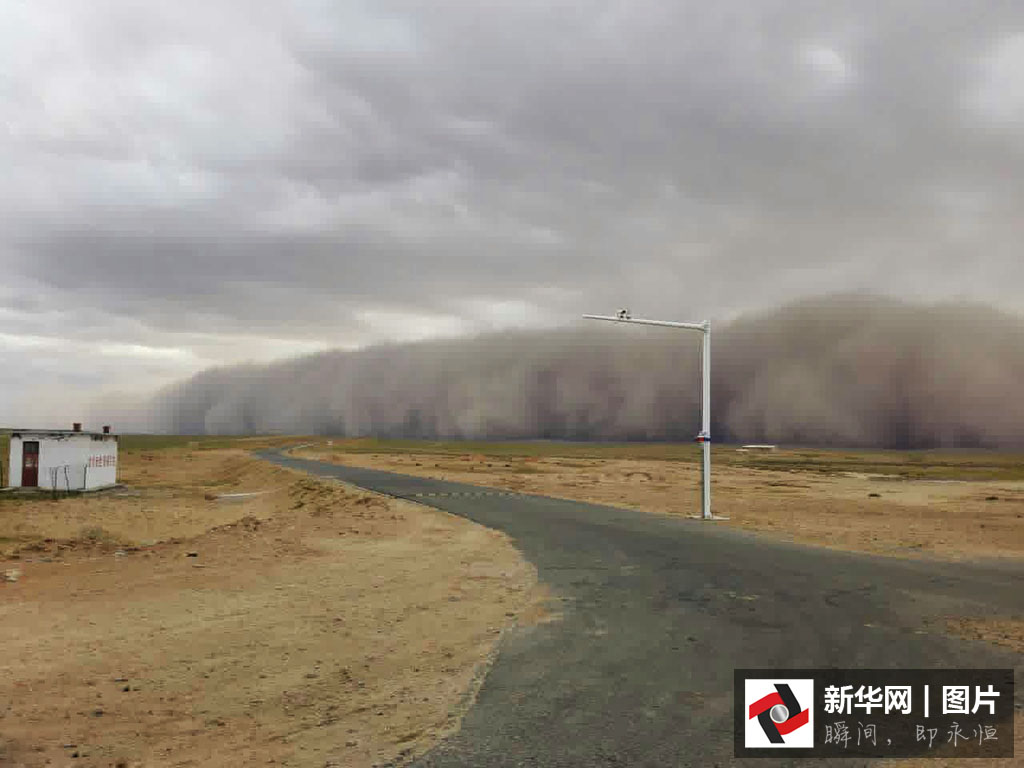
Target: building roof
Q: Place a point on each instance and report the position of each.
(59, 433)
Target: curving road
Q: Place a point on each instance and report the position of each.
(658, 611)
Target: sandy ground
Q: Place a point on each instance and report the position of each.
(312, 624)
(321, 625)
(877, 514)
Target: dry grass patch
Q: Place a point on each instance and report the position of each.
(1008, 633)
(312, 624)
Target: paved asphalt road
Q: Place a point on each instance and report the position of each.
(659, 611)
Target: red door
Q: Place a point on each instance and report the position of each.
(30, 464)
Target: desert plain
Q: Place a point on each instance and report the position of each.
(215, 609)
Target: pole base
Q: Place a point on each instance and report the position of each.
(712, 519)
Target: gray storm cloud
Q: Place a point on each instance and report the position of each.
(853, 371)
(193, 183)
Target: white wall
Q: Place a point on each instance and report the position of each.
(14, 463)
(81, 461)
(102, 462)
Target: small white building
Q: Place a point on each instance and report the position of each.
(63, 459)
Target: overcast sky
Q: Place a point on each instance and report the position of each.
(193, 183)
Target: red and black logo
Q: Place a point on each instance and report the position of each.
(778, 713)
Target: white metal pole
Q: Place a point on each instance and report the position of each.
(705, 411)
(705, 400)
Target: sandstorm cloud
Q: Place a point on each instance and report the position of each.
(846, 370)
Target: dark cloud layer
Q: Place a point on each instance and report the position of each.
(838, 371)
(195, 182)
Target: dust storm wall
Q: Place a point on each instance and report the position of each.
(855, 371)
